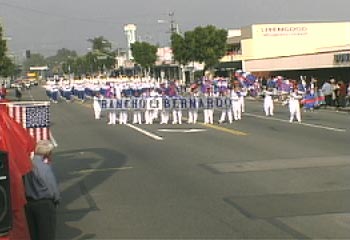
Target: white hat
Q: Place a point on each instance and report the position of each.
(44, 147)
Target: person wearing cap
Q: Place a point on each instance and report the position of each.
(42, 194)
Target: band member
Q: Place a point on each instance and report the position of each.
(177, 113)
(123, 113)
(208, 110)
(226, 111)
(156, 103)
(67, 92)
(241, 99)
(165, 112)
(294, 105)
(236, 105)
(193, 111)
(54, 93)
(137, 115)
(112, 111)
(148, 110)
(81, 92)
(268, 102)
(97, 106)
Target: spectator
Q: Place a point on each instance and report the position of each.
(335, 93)
(18, 93)
(348, 95)
(3, 92)
(342, 94)
(327, 92)
(42, 194)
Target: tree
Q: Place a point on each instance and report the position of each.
(144, 54)
(62, 56)
(100, 44)
(181, 47)
(7, 67)
(102, 54)
(203, 44)
(209, 45)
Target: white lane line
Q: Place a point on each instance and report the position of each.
(53, 140)
(304, 124)
(192, 130)
(151, 135)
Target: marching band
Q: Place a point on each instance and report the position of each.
(148, 101)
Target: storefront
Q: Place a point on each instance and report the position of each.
(297, 49)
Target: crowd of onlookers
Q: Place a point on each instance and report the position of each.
(337, 93)
(332, 92)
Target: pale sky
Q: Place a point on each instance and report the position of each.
(44, 26)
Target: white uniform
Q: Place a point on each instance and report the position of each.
(243, 93)
(123, 114)
(226, 112)
(208, 112)
(155, 111)
(137, 115)
(112, 113)
(193, 112)
(268, 103)
(236, 105)
(294, 106)
(177, 115)
(148, 111)
(97, 107)
(164, 114)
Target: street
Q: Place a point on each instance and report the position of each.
(258, 178)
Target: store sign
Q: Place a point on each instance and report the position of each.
(342, 58)
(273, 31)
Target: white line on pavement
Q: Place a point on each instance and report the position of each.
(192, 130)
(53, 140)
(304, 124)
(151, 135)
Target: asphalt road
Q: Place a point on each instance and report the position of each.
(258, 178)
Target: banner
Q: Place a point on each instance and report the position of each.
(157, 103)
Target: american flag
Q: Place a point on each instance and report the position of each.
(33, 116)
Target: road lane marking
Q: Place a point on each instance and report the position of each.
(222, 129)
(151, 135)
(53, 140)
(303, 124)
(174, 130)
(83, 171)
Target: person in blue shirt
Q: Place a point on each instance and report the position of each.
(42, 194)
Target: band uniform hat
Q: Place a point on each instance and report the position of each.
(44, 147)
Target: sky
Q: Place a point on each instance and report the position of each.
(44, 26)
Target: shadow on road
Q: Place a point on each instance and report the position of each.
(79, 173)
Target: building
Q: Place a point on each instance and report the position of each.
(130, 32)
(319, 49)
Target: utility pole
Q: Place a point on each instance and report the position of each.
(174, 27)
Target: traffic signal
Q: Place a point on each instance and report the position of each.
(27, 54)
